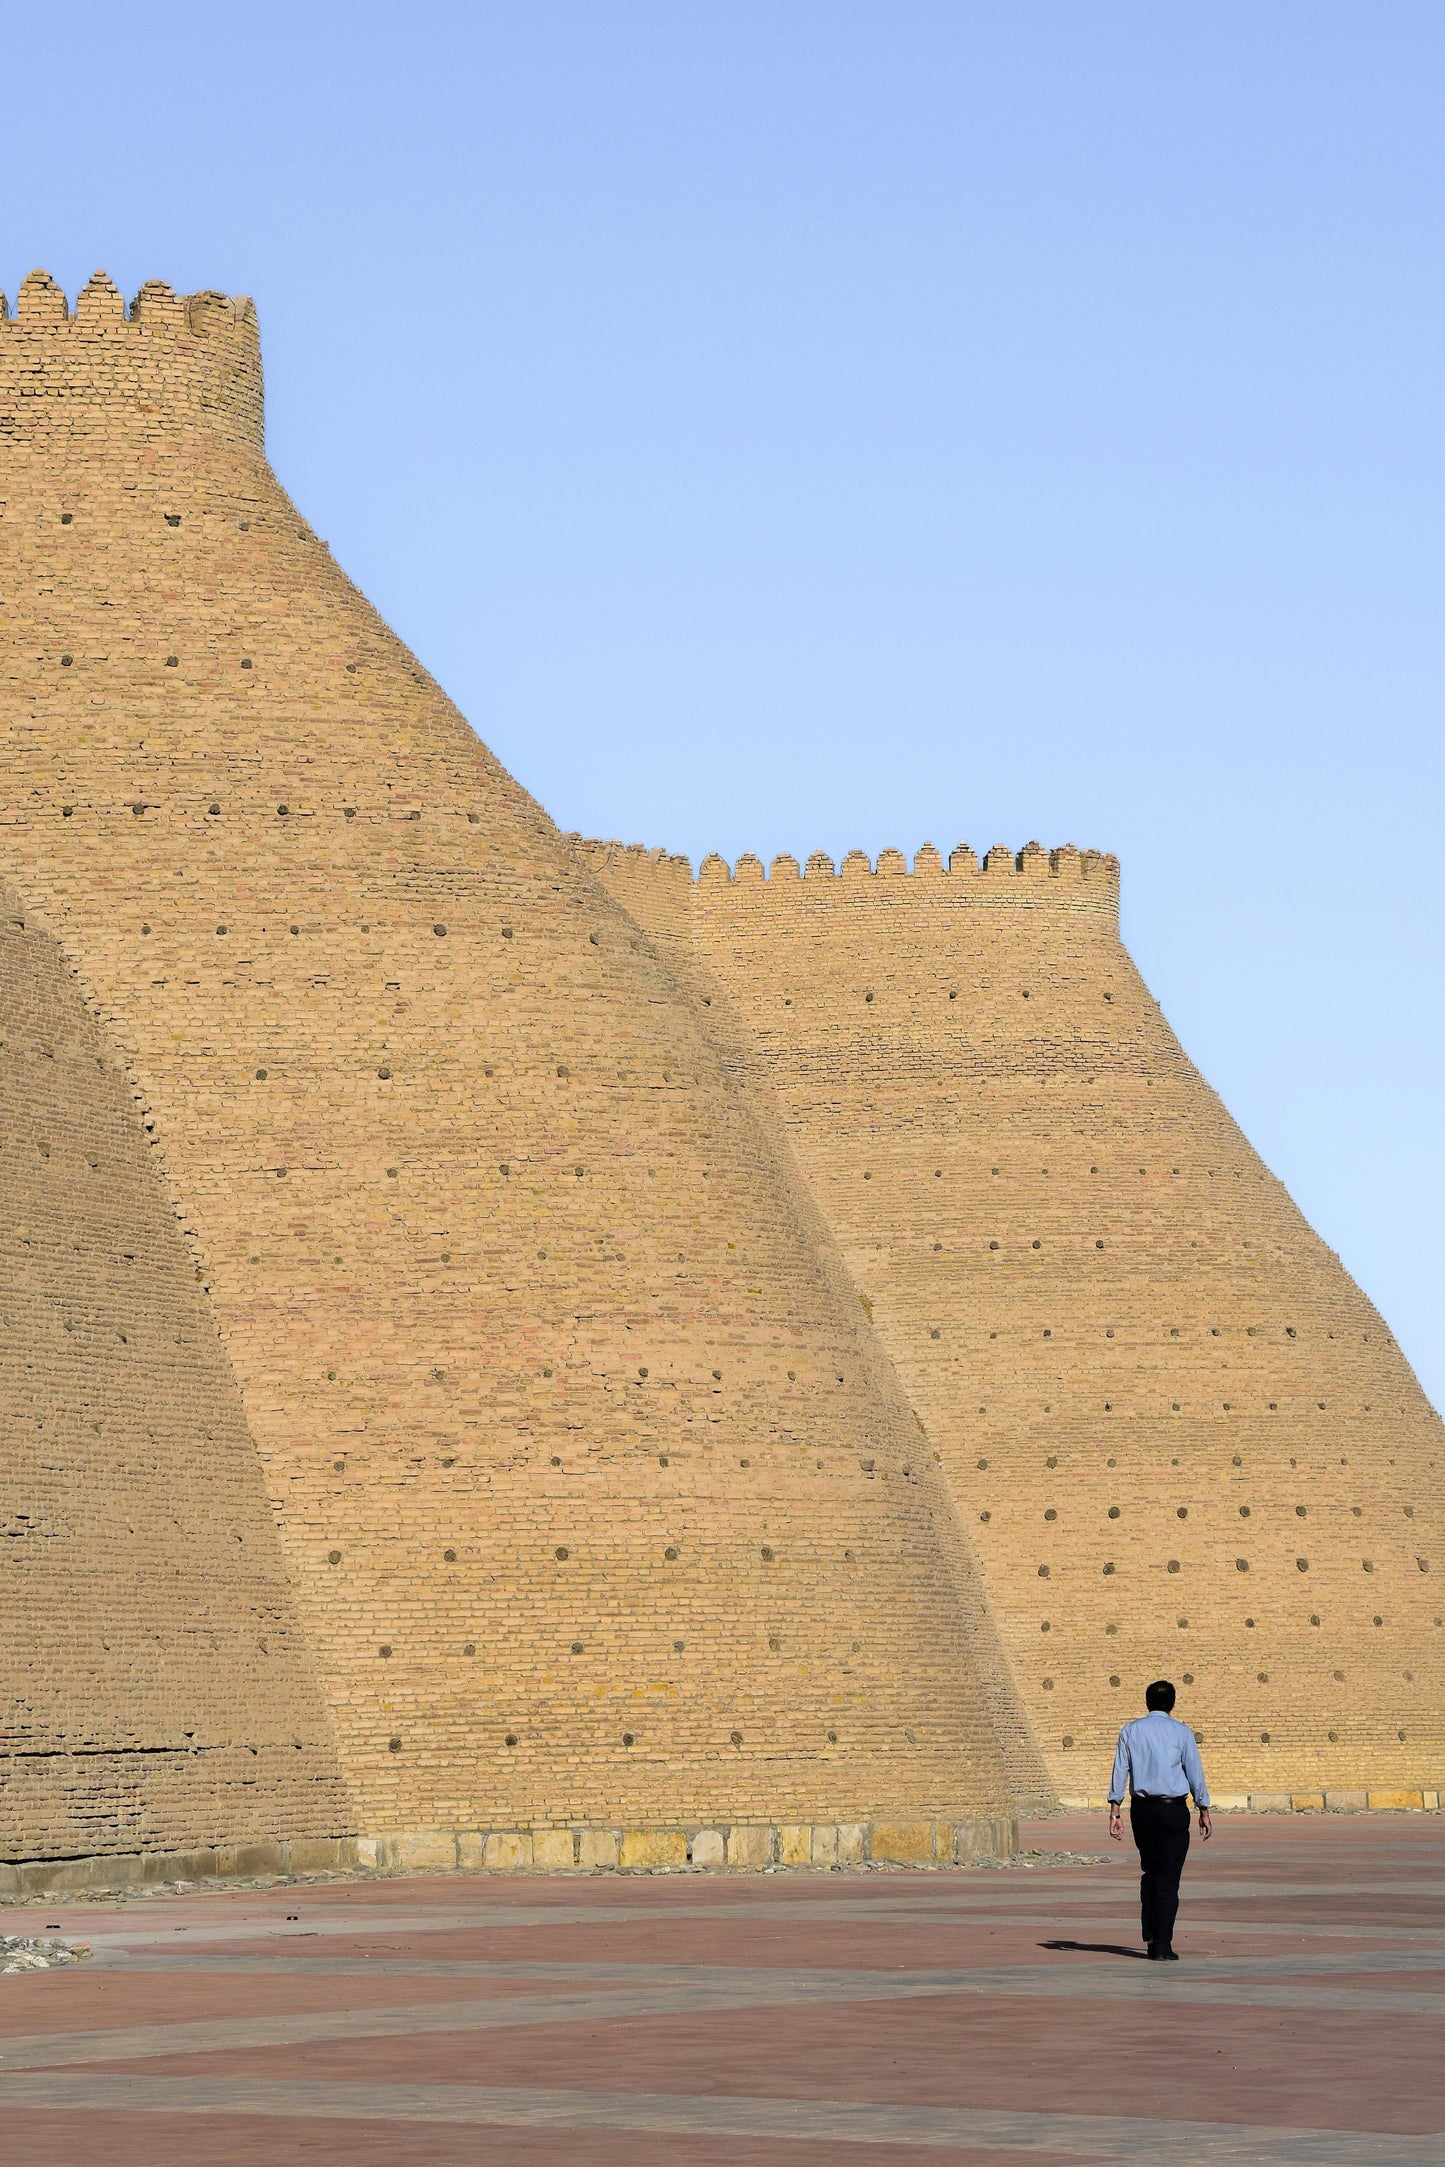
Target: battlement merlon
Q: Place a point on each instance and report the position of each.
(1031, 877)
(169, 363)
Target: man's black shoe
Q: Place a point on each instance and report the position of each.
(1160, 1952)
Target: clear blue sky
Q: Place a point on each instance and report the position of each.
(787, 425)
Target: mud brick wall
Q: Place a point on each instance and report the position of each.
(156, 1692)
(1184, 1442)
(597, 1495)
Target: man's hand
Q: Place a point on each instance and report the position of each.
(1206, 1826)
(1116, 1823)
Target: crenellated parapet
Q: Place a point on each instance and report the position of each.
(647, 881)
(166, 365)
(635, 857)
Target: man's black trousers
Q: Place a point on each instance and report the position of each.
(1161, 1832)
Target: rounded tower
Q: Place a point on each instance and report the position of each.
(603, 1521)
(1184, 1442)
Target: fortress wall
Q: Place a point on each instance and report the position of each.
(158, 1695)
(577, 1459)
(657, 890)
(1184, 1441)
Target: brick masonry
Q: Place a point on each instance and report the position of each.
(716, 1369)
(155, 1681)
(1183, 1441)
(567, 1420)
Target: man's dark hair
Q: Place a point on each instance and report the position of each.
(1159, 1695)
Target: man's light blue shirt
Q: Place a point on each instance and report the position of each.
(1158, 1758)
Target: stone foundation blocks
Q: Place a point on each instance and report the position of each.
(902, 1843)
(825, 1845)
(795, 1844)
(653, 1847)
(750, 1847)
(507, 1851)
(742, 1848)
(554, 1850)
(598, 1847)
(426, 1851)
(226, 1862)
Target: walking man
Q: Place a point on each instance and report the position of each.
(1158, 1763)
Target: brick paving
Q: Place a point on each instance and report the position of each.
(782, 2020)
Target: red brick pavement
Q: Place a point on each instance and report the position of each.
(1080, 2032)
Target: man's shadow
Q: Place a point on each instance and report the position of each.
(1097, 1948)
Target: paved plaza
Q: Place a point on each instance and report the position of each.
(785, 2020)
